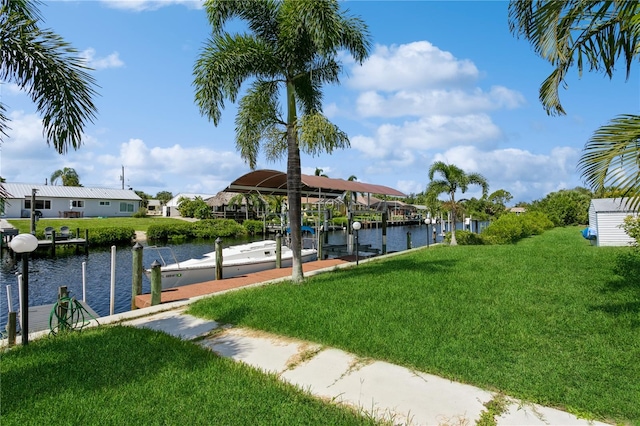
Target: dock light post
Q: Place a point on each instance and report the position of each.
(25, 244)
(356, 227)
(427, 222)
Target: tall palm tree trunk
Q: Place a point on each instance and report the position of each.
(294, 192)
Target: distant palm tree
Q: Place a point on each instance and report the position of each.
(319, 172)
(453, 179)
(67, 175)
(290, 49)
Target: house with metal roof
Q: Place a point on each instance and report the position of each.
(606, 216)
(67, 201)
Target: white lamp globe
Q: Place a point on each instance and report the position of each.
(24, 243)
(357, 226)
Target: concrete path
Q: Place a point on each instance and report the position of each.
(386, 391)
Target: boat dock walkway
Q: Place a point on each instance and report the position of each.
(209, 287)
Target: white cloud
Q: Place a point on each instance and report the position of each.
(429, 102)
(392, 141)
(110, 61)
(143, 5)
(410, 66)
(525, 174)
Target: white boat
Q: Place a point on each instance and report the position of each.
(236, 260)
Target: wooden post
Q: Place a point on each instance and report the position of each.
(63, 308)
(11, 328)
(278, 251)
(136, 278)
(320, 242)
(384, 232)
(219, 258)
(53, 243)
(408, 240)
(156, 283)
(86, 241)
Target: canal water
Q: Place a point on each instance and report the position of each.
(47, 274)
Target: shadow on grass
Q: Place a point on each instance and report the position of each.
(625, 283)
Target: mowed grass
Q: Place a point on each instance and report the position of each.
(546, 320)
(138, 224)
(126, 376)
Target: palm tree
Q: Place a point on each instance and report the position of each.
(453, 179)
(67, 175)
(291, 46)
(319, 172)
(41, 63)
(593, 35)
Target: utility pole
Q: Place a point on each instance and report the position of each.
(33, 211)
(122, 177)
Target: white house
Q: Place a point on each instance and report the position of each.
(68, 201)
(171, 208)
(605, 217)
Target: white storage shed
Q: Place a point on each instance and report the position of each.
(605, 219)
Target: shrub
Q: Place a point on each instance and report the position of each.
(253, 227)
(142, 212)
(111, 236)
(208, 229)
(511, 228)
(340, 221)
(631, 226)
(465, 238)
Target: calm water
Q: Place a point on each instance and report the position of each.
(47, 274)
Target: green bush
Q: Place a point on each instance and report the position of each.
(340, 221)
(465, 238)
(253, 227)
(207, 229)
(111, 236)
(631, 226)
(511, 228)
(142, 212)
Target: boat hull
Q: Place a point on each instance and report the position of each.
(237, 261)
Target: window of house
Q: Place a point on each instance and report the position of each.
(76, 203)
(126, 207)
(40, 204)
(105, 203)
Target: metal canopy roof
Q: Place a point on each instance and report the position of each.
(273, 182)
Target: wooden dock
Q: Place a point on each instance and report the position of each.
(52, 244)
(211, 287)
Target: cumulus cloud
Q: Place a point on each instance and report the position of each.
(110, 61)
(412, 65)
(146, 5)
(392, 141)
(441, 101)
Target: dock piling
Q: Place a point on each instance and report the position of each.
(136, 279)
(156, 283)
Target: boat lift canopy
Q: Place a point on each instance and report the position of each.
(273, 182)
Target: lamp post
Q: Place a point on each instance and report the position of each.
(25, 244)
(427, 222)
(356, 227)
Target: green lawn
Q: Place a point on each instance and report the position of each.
(138, 224)
(546, 320)
(126, 376)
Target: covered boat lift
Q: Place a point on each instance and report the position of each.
(273, 182)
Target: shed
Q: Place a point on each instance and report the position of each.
(605, 219)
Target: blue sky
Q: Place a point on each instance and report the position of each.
(446, 81)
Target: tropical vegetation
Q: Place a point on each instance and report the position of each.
(289, 51)
(453, 179)
(593, 35)
(67, 175)
(50, 70)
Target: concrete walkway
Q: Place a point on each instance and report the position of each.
(386, 391)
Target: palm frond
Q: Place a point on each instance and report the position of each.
(611, 158)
